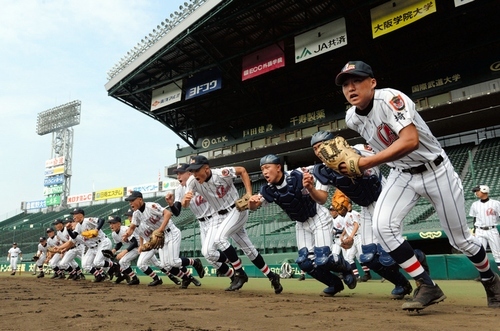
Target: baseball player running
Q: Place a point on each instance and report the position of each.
(297, 195)
(13, 255)
(338, 228)
(207, 217)
(41, 256)
(364, 191)
(486, 212)
(151, 216)
(68, 255)
(53, 258)
(217, 187)
(388, 121)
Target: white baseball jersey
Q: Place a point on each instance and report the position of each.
(486, 213)
(63, 235)
(198, 205)
(118, 236)
(88, 223)
(54, 241)
(14, 252)
(43, 249)
(218, 190)
(349, 219)
(149, 220)
(380, 128)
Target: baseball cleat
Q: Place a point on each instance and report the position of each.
(40, 275)
(174, 279)
(198, 266)
(195, 281)
(240, 278)
(156, 282)
(120, 279)
(98, 278)
(492, 288)
(275, 283)
(423, 296)
(366, 277)
(55, 275)
(134, 281)
(302, 277)
(185, 283)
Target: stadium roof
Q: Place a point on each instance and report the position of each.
(217, 34)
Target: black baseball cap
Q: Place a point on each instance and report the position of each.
(129, 212)
(181, 168)
(77, 211)
(133, 195)
(58, 221)
(353, 68)
(197, 162)
(114, 219)
(67, 220)
(14, 244)
(49, 230)
(42, 239)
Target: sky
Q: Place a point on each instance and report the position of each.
(56, 51)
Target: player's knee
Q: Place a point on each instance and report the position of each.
(250, 252)
(323, 255)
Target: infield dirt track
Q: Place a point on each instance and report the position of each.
(29, 303)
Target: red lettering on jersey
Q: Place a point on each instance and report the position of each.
(386, 135)
(199, 200)
(490, 212)
(221, 191)
(148, 233)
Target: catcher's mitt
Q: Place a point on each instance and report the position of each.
(90, 233)
(340, 202)
(242, 203)
(156, 241)
(335, 151)
(346, 243)
(108, 253)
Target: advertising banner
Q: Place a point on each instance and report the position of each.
(321, 40)
(54, 162)
(262, 61)
(109, 194)
(54, 171)
(166, 95)
(38, 204)
(203, 83)
(396, 14)
(53, 180)
(53, 200)
(144, 188)
(170, 185)
(86, 197)
(56, 189)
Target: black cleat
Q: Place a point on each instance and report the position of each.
(240, 278)
(40, 275)
(366, 277)
(399, 292)
(174, 279)
(134, 281)
(120, 279)
(156, 282)
(302, 277)
(275, 283)
(186, 282)
(198, 266)
(99, 278)
(492, 288)
(423, 296)
(195, 281)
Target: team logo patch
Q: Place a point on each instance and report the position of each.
(397, 103)
(225, 172)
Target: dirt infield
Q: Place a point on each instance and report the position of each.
(34, 304)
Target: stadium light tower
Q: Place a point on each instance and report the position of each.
(59, 121)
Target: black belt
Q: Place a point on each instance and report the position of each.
(486, 227)
(203, 219)
(423, 167)
(227, 210)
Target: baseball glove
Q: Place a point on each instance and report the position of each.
(108, 254)
(90, 233)
(346, 243)
(340, 202)
(34, 258)
(242, 203)
(335, 151)
(156, 241)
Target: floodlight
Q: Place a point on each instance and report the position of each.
(58, 118)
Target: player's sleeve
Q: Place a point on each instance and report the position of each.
(472, 211)
(400, 110)
(190, 184)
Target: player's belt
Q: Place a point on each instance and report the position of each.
(423, 167)
(206, 218)
(227, 210)
(486, 227)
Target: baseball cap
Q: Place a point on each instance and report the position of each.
(14, 244)
(129, 212)
(181, 168)
(67, 220)
(481, 188)
(42, 239)
(114, 219)
(49, 230)
(58, 221)
(353, 68)
(321, 136)
(197, 162)
(270, 159)
(133, 195)
(77, 211)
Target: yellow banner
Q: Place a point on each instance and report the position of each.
(109, 194)
(397, 14)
